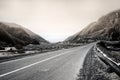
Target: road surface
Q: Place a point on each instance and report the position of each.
(57, 65)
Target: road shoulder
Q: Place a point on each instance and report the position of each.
(95, 69)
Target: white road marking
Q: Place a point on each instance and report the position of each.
(2, 75)
(45, 70)
(47, 53)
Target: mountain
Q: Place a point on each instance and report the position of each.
(106, 28)
(12, 34)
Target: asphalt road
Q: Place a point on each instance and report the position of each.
(57, 65)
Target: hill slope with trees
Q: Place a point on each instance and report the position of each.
(12, 34)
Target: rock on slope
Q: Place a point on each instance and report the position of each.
(106, 28)
(12, 34)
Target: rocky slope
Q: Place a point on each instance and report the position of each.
(106, 28)
(12, 34)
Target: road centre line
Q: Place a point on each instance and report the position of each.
(5, 74)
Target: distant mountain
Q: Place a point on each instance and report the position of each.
(12, 34)
(106, 28)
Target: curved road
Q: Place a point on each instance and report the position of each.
(57, 65)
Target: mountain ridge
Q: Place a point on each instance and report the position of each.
(106, 27)
(13, 34)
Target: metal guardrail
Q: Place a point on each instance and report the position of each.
(118, 64)
(107, 60)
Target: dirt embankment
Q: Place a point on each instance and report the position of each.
(95, 69)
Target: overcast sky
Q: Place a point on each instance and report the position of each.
(55, 20)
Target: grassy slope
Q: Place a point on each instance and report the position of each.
(95, 69)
